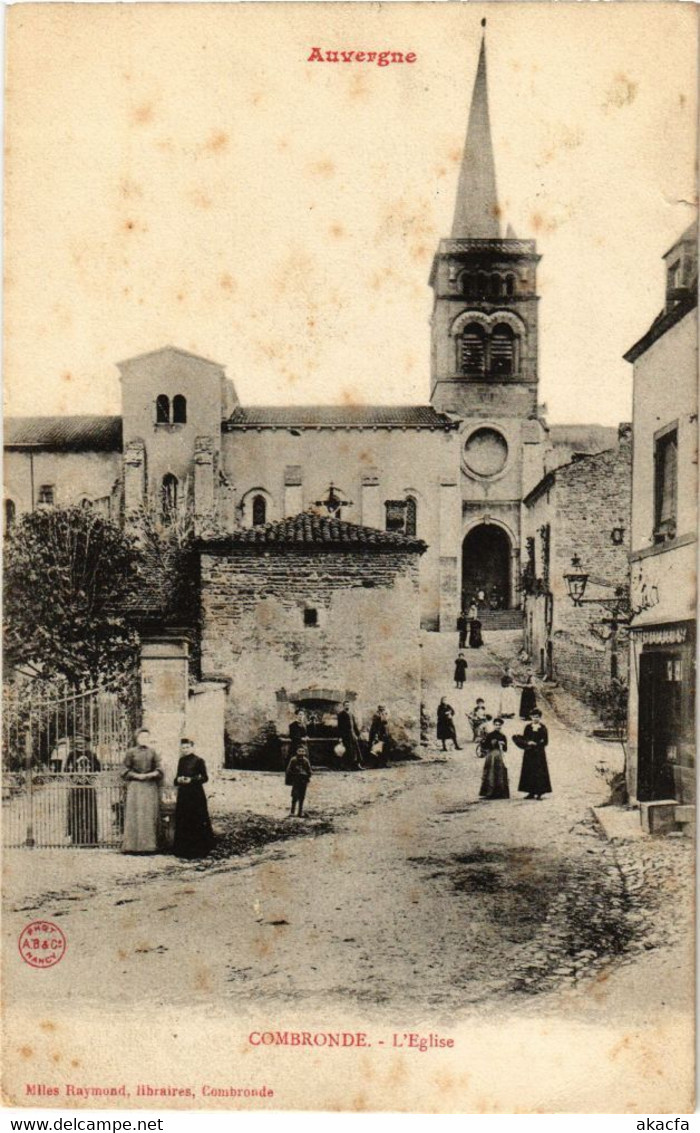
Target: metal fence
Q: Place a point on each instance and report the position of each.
(62, 758)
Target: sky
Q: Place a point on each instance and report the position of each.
(182, 174)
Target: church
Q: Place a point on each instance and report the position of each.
(431, 494)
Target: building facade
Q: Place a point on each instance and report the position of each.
(579, 510)
(661, 764)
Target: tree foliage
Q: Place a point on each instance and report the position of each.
(165, 565)
(67, 574)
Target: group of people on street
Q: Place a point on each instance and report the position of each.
(349, 748)
(491, 741)
(143, 774)
(534, 778)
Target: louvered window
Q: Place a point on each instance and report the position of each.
(472, 350)
(502, 351)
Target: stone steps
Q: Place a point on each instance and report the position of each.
(501, 619)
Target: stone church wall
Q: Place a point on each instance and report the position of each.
(369, 467)
(367, 640)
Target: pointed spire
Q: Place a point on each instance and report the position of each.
(510, 232)
(476, 210)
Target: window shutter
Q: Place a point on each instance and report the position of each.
(472, 352)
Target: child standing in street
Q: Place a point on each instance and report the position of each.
(297, 777)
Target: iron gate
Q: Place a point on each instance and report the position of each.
(62, 760)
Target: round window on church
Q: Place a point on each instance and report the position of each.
(486, 452)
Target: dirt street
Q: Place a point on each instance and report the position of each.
(419, 896)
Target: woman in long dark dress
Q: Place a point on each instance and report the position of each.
(82, 797)
(445, 724)
(475, 638)
(534, 774)
(494, 780)
(528, 697)
(460, 671)
(194, 836)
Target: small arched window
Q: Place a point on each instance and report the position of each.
(179, 409)
(472, 350)
(162, 409)
(510, 286)
(496, 284)
(503, 350)
(259, 511)
(482, 285)
(10, 513)
(469, 285)
(169, 493)
(411, 515)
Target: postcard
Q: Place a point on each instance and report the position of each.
(350, 527)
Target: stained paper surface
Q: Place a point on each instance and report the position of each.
(201, 176)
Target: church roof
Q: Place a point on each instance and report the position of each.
(337, 417)
(72, 434)
(476, 208)
(309, 529)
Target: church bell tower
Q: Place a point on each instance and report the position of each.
(484, 370)
(484, 324)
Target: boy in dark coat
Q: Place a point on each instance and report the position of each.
(298, 775)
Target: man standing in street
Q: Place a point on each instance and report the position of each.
(462, 625)
(350, 735)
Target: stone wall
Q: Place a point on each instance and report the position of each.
(366, 642)
(587, 507)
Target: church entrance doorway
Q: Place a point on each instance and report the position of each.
(486, 568)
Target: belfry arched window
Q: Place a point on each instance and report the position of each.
(169, 495)
(482, 285)
(162, 409)
(469, 285)
(502, 349)
(496, 286)
(488, 345)
(179, 409)
(259, 511)
(472, 350)
(510, 286)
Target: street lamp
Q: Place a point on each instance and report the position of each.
(576, 581)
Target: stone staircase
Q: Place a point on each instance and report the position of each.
(501, 620)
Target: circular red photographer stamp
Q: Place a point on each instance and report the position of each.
(42, 944)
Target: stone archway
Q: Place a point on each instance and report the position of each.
(487, 566)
